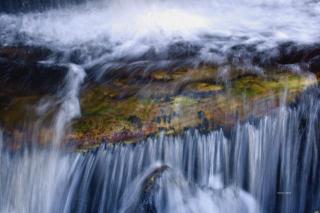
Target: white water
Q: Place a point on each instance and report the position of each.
(30, 180)
(67, 103)
(272, 166)
(129, 28)
(70, 106)
(269, 167)
(37, 176)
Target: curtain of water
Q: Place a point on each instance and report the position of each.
(30, 180)
(271, 165)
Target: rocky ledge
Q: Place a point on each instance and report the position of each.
(128, 110)
(134, 105)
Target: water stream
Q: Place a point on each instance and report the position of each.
(271, 165)
(266, 165)
(108, 34)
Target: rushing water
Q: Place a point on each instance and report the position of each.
(68, 102)
(109, 34)
(271, 165)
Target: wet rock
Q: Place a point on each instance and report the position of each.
(136, 121)
(150, 180)
(290, 53)
(201, 88)
(127, 106)
(31, 78)
(24, 66)
(17, 6)
(161, 75)
(24, 54)
(126, 135)
(300, 54)
(139, 116)
(149, 184)
(315, 65)
(183, 50)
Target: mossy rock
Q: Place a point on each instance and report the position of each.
(128, 110)
(108, 119)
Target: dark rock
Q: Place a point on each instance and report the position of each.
(204, 126)
(289, 53)
(24, 54)
(22, 71)
(136, 121)
(4, 100)
(315, 64)
(30, 78)
(126, 135)
(201, 115)
(158, 120)
(17, 6)
(182, 50)
(150, 181)
(147, 204)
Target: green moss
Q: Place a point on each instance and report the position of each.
(104, 115)
(183, 100)
(204, 87)
(253, 86)
(161, 75)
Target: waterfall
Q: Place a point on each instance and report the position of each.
(70, 106)
(269, 165)
(67, 102)
(30, 180)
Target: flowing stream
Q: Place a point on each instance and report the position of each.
(271, 165)
(266, 165)
(108, 34)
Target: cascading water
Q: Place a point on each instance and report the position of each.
(266, 165)
(152, 34)
(68, 100)
(275, 161)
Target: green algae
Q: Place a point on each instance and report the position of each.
(177, 97)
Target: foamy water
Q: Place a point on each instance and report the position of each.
(129, 28)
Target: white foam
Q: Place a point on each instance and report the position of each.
(128, 26)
